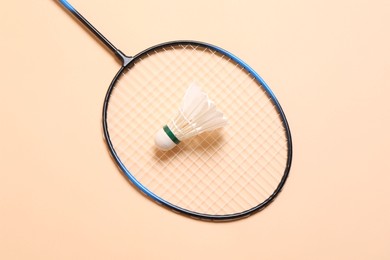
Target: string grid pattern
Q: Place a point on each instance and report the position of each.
(226, 171)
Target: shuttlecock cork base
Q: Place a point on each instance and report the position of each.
(165, 140)
(196, 115)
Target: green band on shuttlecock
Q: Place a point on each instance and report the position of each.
(171, 135)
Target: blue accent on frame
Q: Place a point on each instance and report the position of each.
(67, 5)
(249, 69)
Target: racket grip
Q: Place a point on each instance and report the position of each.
(67, 5)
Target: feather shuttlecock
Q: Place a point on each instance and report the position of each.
(196, 115)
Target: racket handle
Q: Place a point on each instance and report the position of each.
(67, 5)
(125, 59)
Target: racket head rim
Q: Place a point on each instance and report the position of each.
(165, 203)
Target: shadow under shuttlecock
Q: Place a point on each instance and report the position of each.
(208, 141)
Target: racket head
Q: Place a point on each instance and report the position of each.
(135, 119)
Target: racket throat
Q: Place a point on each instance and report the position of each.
(124, 58)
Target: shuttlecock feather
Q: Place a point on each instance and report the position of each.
(197, 114)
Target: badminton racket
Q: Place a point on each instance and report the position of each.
(225, 174)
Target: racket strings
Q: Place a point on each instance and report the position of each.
(215, 173)
(210, 155)
(265, 192)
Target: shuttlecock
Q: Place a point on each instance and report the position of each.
(197, 114)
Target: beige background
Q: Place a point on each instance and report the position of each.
(62, 197)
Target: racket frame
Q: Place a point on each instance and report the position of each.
(160, 200)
